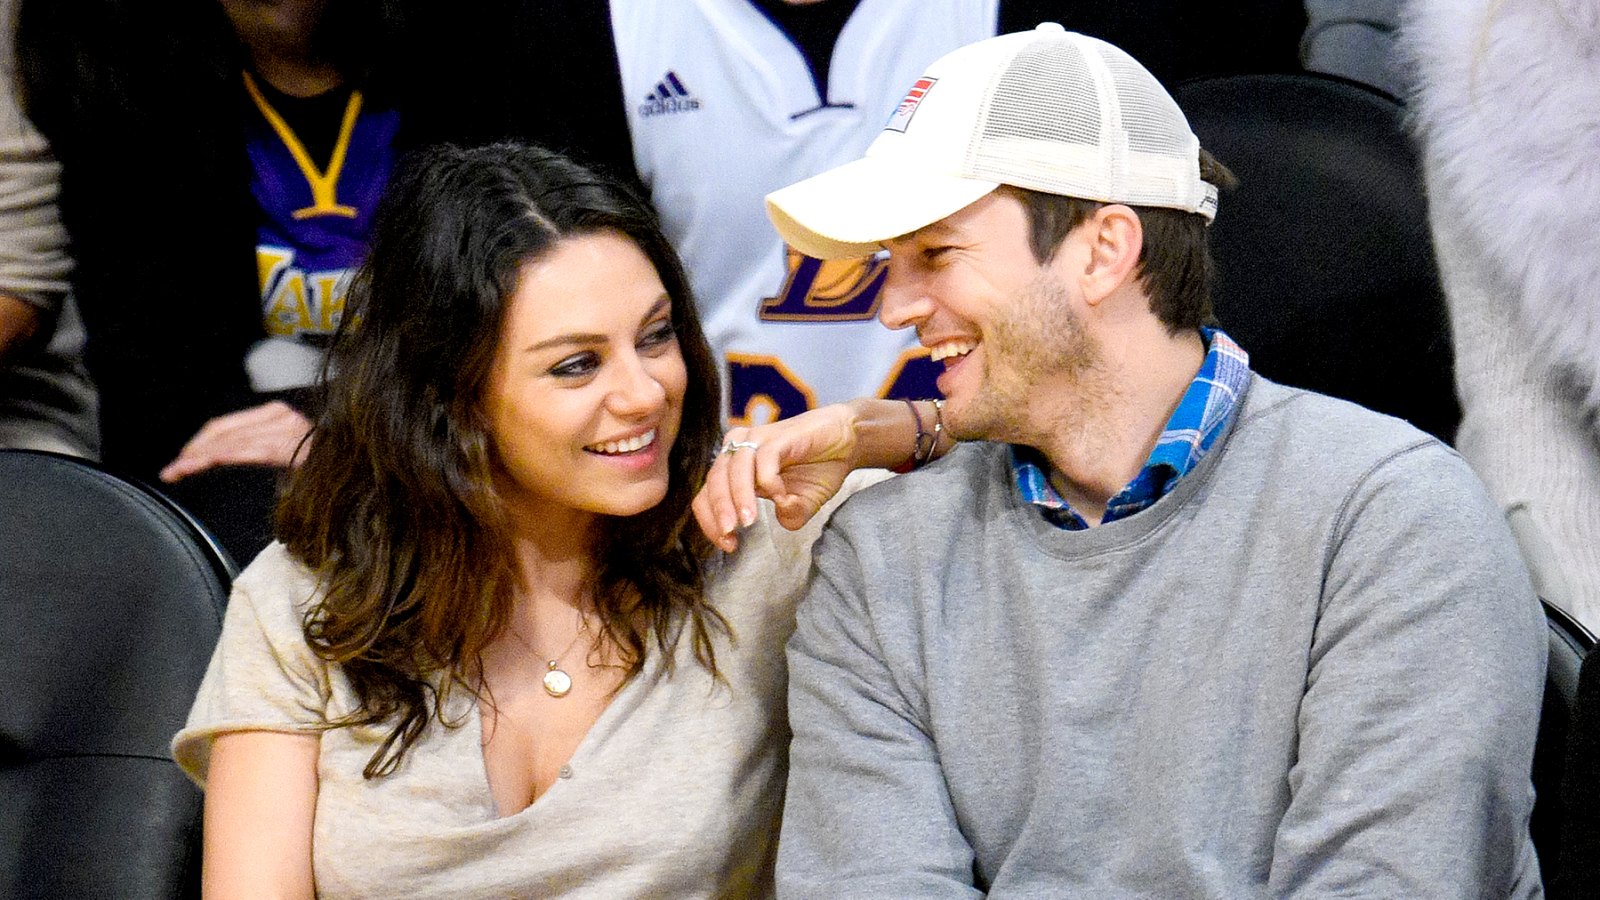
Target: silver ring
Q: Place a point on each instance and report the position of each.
(735, 446)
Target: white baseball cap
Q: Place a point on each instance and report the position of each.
(1048, 110)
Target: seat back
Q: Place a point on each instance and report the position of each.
(1325, 267)
(112, 600)
(1561, 779)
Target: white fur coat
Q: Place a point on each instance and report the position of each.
(1507, 102)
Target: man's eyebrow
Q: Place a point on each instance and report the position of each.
(935, 230)
(584, 339)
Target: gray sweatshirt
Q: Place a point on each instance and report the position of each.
(1313, 669)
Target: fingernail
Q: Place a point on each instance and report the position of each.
(747, 516)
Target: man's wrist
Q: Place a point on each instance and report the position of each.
(895, 434)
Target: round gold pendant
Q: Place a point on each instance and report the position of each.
(556, 682)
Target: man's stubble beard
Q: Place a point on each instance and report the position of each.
(1039, 338)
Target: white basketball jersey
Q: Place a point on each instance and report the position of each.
(722, 111)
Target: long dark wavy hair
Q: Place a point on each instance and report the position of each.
(395, 508)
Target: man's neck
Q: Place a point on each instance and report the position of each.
(1099, 445)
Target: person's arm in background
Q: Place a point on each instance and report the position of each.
(34, 264)
(19, 322)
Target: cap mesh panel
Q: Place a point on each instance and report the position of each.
(1056, 148)
(1119, 139)
(1154, 123)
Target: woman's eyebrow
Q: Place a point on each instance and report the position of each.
(579, 338)
(589, 339)
(663, 301)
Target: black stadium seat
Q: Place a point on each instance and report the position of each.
(1566, 764)
(111, 600)
(1325, 266)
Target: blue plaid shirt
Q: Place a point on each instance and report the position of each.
(1200, 417)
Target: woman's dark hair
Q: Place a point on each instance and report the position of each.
(395, 508)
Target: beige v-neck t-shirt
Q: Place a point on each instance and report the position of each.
(675, 792)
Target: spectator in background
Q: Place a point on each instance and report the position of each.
(1506, 104)
(1354, 39)
(711, 104)
(46, 399)
(220, 162)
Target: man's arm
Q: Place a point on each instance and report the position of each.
(1422, 698)
(867, 812)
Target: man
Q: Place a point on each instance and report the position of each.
(1163, 628)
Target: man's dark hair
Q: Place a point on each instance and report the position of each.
(1175, 264)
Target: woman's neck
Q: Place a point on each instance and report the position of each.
(557, 555)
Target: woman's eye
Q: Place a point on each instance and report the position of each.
(575, 366)
(658, 334)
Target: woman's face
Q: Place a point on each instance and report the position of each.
(586, 389)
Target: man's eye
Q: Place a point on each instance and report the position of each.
(575, 366)
(932, 253)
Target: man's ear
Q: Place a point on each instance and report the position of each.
(1115, 237)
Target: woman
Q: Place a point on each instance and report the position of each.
(487, 658)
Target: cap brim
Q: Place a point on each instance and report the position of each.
(851, 210)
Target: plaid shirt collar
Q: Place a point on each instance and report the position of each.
(1195, 424)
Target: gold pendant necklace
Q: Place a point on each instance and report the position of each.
(557, 683)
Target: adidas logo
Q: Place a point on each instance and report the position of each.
(670, 96)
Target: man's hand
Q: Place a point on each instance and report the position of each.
(19, 320)
(265, 435)
(797, 463)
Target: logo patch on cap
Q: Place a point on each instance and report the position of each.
(908, 107)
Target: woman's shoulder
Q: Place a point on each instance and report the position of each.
(277, 587)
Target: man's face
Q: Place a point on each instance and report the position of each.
(999, 321)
